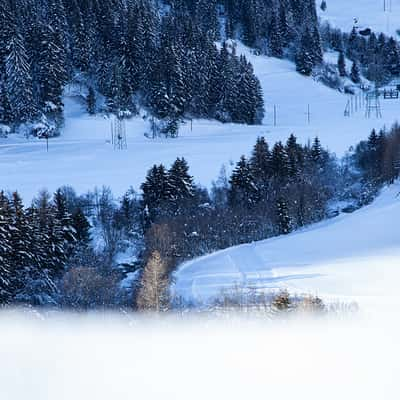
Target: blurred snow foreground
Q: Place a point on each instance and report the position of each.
(105, 357)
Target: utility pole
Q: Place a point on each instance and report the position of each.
(274, 115)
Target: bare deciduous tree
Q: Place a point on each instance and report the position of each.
(153, 293)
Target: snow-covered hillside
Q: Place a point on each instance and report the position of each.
(352, 257)
(82, 157)
(378, 15)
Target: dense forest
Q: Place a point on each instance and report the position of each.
(160, 55)
(61, 250)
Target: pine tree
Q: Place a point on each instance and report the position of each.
(304, 57)
(5, 108)
(341, 64)
(243, 191)
(317, 152)
(260, 164)
(91, 101)
(81, 227)
(294, 156)
(392, 57)
(7, 31)
(284, 223)
(355, 73)
(52, 74)
(156, 192)
(6, 267)
(180, 182)
(19, 81)
(64, 217)
(279, 162)
(275, 38)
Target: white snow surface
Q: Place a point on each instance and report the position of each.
(83, 157)
(368, 13)
(351, 258)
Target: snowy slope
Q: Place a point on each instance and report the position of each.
(369, 14)
(82, 157)
(351, 257)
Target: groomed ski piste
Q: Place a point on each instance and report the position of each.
(353, 258)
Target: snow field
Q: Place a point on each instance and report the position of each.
(84, 158)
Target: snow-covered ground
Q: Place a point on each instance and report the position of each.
(84, 158)
(350, 258)
(379, 15)
(104, 359)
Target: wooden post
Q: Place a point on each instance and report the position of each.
(47, 143)
(274, 115)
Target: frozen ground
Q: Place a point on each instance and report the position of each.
(369, 14)
(350, 258)
(83, 158)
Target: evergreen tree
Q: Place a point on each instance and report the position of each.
(283, 219)
(91, 101)
(243, 191)
(279, 162)
(156, 192)
(355, 73)
(52, 74)
(275, 38)
(180, 182)
(341, 64)
(304, 57)
(260, 164)
(6, 267)
(19, 81)
(81, 227)
(294, 156)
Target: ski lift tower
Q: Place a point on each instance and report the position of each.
(373, 104)
(118, 132)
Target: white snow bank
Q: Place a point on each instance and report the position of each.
(105, 359)
(369, 14)
(352, 257)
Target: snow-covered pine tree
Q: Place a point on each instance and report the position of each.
(260, 165)
(6, 267)
(304, 57)
(19, 81)
(284, 222)
(51, 71)
(7, 31)
(275, 37)
(279, 162)
(243, 191)
(180, 183)
(5, 108)
(355, 73)
(341, 64)
(295, 157)
(91, 101)
(156, 191)
(81, 226)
